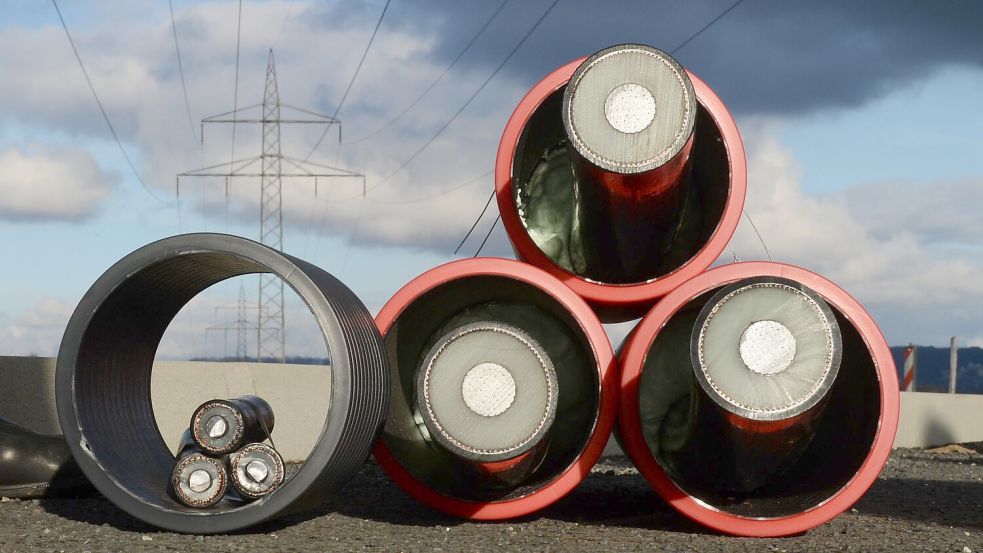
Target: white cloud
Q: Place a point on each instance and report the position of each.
(51, 184)
(37, 331)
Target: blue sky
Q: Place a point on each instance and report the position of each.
(862, 130)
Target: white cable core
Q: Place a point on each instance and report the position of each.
(488, 389)
(629, 108)
(767, 347)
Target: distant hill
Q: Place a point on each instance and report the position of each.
(932, 374)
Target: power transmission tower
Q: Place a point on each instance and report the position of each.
(271, 323)
(242, 325)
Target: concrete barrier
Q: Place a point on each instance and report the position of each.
(298, 394)
(929, 419)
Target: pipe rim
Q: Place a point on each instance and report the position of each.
(632, 360)
(618, 299)
(607, 379)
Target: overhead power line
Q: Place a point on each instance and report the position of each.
(487, 236)
(476, 221)
(235, 90)
(705, 27)
(464, 106)
(102, 109)
(180, 68)
(472, 97)
(433, 84)
(760, 239)
(352, 81)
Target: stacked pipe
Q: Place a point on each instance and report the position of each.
(756, 398)
(504, 388)
(623, 175)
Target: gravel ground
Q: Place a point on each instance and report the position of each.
(923, 501)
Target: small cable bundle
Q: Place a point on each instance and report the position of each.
(224, 446)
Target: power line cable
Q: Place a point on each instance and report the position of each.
(283, 26)
(476, 221)
(180, 68)
(453, 117)
(755, 228)
(352, 81)
(705, 27)
(494, 224)
(434, 83)
(235, 114)
(442, 192)
(235, 90)
(320, 221)
(473, 96)
(351, 238)
(102, 110)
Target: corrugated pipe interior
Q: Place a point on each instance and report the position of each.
(105, 364)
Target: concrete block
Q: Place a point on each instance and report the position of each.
(929, 419)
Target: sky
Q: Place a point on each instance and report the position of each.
(860, 121)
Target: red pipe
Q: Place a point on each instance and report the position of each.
(557, 486)
(619, 302)
(637, 347)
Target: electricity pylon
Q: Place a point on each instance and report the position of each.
(271, 325)
(241, 326)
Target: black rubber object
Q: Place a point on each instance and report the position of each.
(107, 354)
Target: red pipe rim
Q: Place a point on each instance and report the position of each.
(633, 356)
(607, 377)
(619, 297)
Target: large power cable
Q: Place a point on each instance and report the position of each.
(673, 51)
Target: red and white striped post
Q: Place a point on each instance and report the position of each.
(910, 364)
